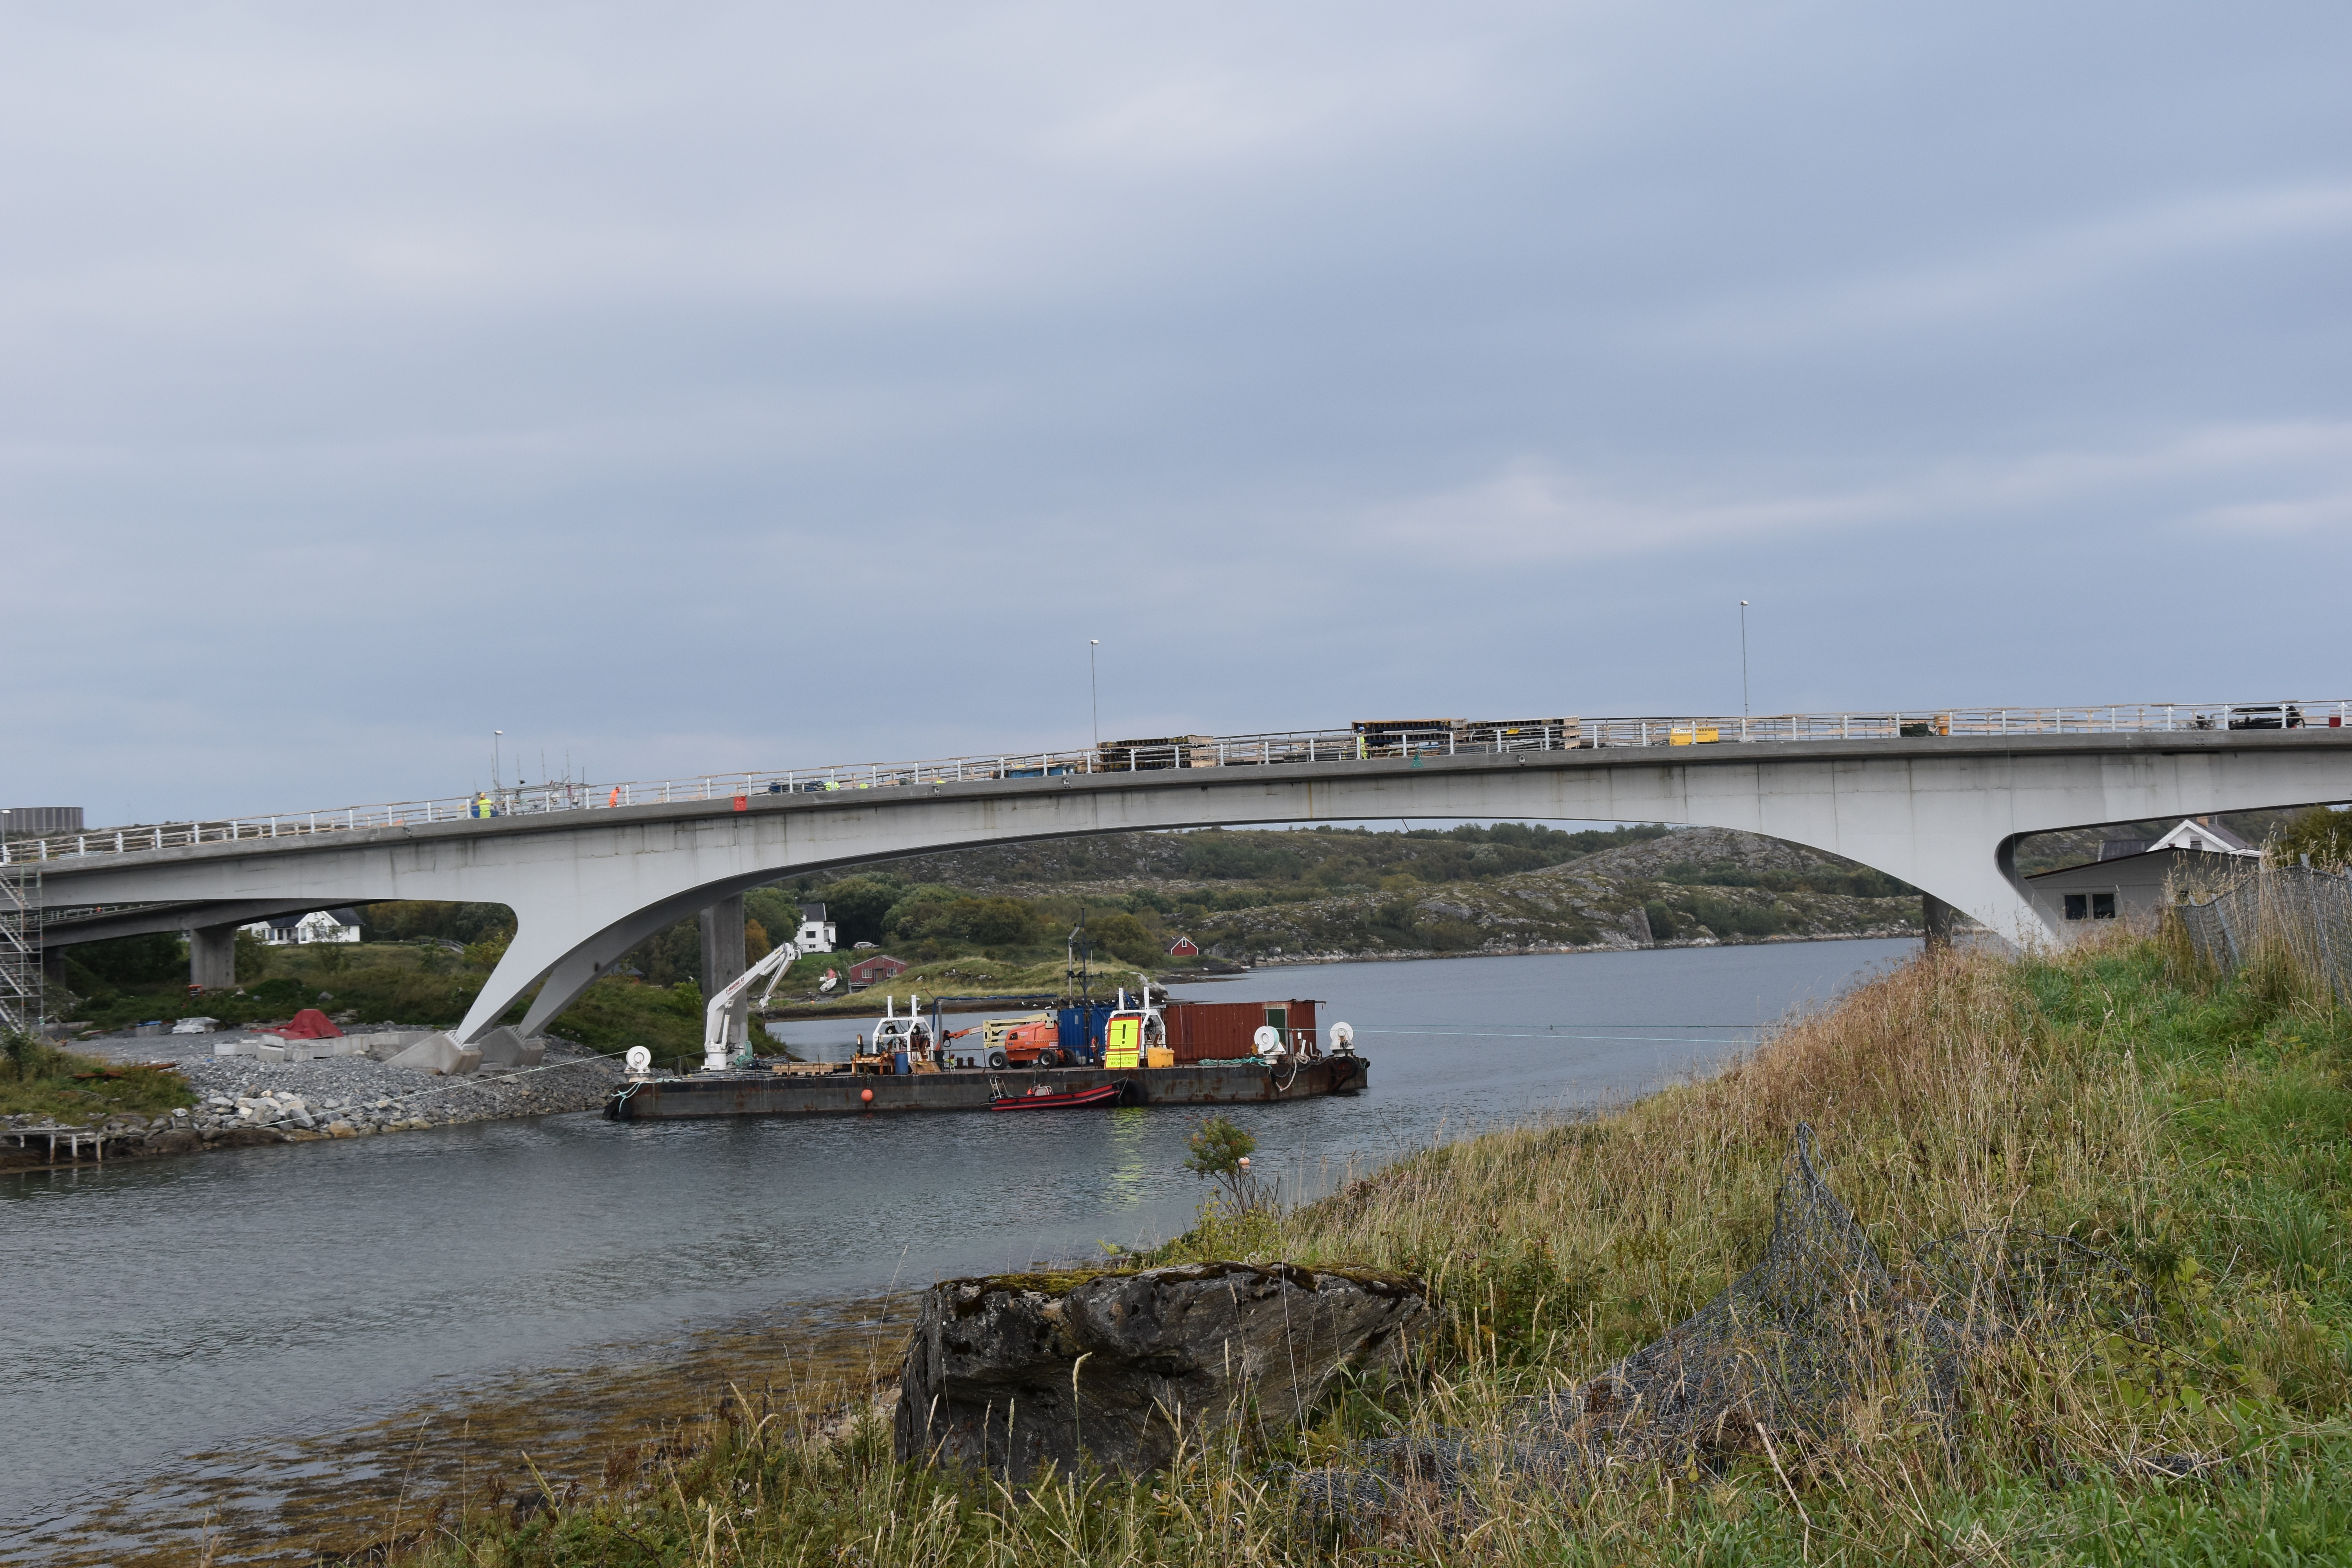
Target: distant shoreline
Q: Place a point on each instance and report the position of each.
(852, 1008)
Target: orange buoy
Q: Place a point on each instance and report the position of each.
(866, 1095)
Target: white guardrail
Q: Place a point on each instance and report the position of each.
(1399, 738)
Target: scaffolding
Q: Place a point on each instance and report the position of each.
(20, 944)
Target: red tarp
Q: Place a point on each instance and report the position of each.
(309, 1024)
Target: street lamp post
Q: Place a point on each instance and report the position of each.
(1743, 659)
(495, 784)
(1094, 690)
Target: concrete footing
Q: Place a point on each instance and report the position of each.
(505, 1047)
(438, 1054)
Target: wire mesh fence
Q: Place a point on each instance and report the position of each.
(2299, 916)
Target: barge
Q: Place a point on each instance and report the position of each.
(835, 1090)
(1084, 1055)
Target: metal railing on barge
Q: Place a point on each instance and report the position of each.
(1362, 740)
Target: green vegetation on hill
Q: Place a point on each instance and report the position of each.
(2321, 835)
(2190, 1130)
(413, 982)
(1252, 895)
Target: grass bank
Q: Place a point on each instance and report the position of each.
(38, 1079)
(2193, 1129)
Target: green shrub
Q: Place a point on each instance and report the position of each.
(284, 990)
(2324, 833)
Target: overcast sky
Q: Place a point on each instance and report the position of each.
(709, 387)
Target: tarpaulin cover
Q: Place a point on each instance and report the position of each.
(309, 1024)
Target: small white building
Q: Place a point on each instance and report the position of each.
(318, 925)
(818, 935)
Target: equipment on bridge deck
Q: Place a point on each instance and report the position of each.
(1158, 751)
(714, 1017)
(1414, 737)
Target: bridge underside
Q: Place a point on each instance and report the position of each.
(1941, 813)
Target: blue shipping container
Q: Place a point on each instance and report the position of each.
(1082, 1032)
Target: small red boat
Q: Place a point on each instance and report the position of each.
(1042, 1099)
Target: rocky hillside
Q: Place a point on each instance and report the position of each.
(1636, 897)
(1285, 895)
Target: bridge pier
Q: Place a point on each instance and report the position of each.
(1941, 919)
(723, 962)
(212, 957)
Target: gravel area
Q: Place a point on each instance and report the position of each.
(243, 1101)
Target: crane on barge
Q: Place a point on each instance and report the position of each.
(778, 959)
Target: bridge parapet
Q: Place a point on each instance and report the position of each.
(1364, 741)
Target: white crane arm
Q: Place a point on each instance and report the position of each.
(714, 1016)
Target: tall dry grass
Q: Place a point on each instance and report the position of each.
(1940, 1105)
(2180, 1122)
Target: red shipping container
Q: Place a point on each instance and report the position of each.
(1226, 1031)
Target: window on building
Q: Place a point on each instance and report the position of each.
(2103, 906)
(2078, 906)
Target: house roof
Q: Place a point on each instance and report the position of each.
(2169, 854)
(2209, 837)
(812, 911)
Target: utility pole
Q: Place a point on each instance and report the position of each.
(1743, 659)
(1094, 690)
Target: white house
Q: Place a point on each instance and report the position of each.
(2134, 876)
(318, 925)
(818, 935)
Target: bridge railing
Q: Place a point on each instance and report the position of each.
(1415, 737)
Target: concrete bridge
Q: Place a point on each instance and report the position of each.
(590, 877)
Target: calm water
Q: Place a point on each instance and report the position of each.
(157, 1311)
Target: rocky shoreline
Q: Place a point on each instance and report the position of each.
(243, 1102)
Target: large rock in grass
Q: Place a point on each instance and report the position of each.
(1017, 1373)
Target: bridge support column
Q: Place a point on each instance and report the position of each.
(212, 957)
(723, 961)
(1941, 919)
